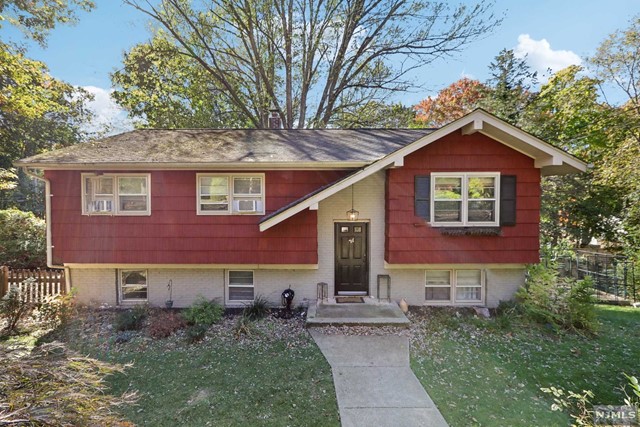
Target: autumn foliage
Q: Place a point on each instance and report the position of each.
(451, 103)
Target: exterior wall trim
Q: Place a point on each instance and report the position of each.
(388, 266)
(201, 266)
(195, 166)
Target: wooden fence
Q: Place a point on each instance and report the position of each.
(46, 283)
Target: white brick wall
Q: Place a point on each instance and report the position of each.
(94, 285)
(502, 284)
(188, 284)
(98, 285)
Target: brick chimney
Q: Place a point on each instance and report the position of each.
(274, 118)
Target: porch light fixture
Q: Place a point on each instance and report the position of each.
(352, 214)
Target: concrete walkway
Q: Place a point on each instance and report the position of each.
(374, 383)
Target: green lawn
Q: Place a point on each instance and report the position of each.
(276, 376)
(481, 374)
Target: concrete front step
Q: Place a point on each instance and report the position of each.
(369, 314)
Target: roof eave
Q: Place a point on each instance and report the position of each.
(190, 166)
(550, 160)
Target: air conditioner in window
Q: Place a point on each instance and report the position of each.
(247, 205)
(102, 206)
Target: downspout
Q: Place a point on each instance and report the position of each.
(47, 219)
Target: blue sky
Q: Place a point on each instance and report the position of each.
(554, 33)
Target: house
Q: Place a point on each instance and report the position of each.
(445, 216)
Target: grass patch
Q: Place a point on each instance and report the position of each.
(480, 373)
(275, 376)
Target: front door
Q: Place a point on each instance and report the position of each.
(352, 266)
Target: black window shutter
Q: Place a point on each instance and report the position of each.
(508, 200)
(423, 196)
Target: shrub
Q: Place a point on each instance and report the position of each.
(257, 309)
(242, 326)
(578, 405)
(535, 298)
(124, 336)
(581, 309)
(560, 303)
(195, 333)
(132, 319)
(55, 310)
(164, 323)
(13, 309)
(203, 312)
(22, 239)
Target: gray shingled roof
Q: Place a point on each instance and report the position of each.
(207, 146)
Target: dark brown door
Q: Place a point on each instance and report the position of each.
(352, 271)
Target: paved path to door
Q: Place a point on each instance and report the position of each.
(374, 384)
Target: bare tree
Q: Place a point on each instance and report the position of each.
(312, 59)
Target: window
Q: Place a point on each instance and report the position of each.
(438, 287)
(467, 286)
(241, 286)
(230, 194)
(466, 199)
(115, 194)
(133, 285)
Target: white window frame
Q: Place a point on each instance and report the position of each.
(228, 284)
(454, 297)
(449, 286)
(116, 196)
(465, 176)
(121, 285)
(453, 279)
(231, 195)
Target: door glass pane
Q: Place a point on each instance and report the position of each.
(447, 211)
(344, 229)
(357, 229)
(448, 188)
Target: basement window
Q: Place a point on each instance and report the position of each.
(454, 286)
(133, 285)
(241, 286)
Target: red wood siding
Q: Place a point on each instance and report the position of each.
(409, 240)
(174, 234)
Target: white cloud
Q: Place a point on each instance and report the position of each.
(465, 75)
(107, 114)
(541, 57)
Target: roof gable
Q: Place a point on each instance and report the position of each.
(551, 160)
